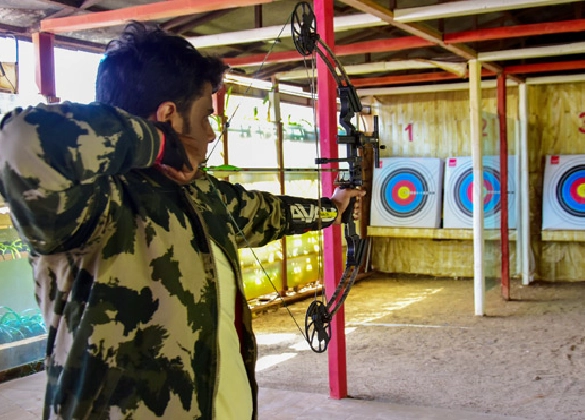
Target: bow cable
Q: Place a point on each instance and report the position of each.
(318, 316)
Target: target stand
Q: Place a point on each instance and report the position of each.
(407, 193)
(563, 195)
(458, 200)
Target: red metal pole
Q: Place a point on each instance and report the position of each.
(505, 243)
(45, 65)
(332, 269)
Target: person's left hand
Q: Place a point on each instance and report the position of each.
(341, 198)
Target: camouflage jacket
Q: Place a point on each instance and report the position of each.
(122, 263)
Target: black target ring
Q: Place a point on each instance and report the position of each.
(463, 192)
(404, 193)
(570, 191)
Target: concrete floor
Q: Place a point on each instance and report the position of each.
(21, 399)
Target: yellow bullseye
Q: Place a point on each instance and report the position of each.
(403, 193)
(581, 190)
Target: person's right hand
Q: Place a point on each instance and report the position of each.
(188, 172)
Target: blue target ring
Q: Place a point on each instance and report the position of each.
(570, 191)
(404, 192)
(463, 192)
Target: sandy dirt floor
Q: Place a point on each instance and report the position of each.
(417, 342)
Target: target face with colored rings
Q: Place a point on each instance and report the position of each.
(407, 193)
(463, 192)
(570, 191)
(404, 192)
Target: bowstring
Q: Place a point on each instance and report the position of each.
(310, 72)
(242, 234)
(227, 124)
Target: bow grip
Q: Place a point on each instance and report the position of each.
(347, 216)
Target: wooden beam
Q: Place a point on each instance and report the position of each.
(396, 44)
(535, 52)
(341, 23)
(152, 11)
(467, 8)
(420, 30)
(545, 67)
(383, 45)
(368, 68)
(44, 50)
(403, 79)
(503, 32)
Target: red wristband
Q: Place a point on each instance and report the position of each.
(161, 150)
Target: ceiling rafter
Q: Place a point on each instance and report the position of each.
(467, 8)
(152, 11)
(420, 30)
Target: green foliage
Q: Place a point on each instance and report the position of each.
(18, 326)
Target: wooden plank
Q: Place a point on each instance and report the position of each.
(404, 79)
(563, 235)
(467, 8)
(503, 32)
(340, 23)
(153, 11)
(535, 52)
(43, 44)
(444, 234)
(544, 67)
(421, 30)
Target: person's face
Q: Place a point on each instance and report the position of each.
(195, 127)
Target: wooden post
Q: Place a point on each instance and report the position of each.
(504, 242)
(524, 190)
(274, 95)
(45, 65)
(475, 116)
(332, 269)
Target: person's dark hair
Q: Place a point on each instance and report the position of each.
(147, 66)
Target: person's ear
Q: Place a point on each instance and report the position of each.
(166, 111)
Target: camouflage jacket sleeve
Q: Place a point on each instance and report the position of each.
(261, 217)
(53, 162)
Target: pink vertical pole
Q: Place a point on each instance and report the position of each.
(333, 269)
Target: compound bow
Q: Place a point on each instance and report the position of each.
(307, 41)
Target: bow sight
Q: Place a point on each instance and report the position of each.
(307, 41)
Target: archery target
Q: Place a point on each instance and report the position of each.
(563, 204)
(458, 200)
(407, 193)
